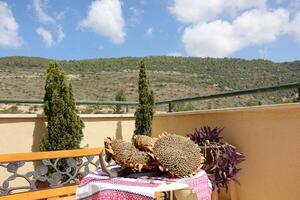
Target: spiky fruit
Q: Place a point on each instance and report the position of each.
(178, 155)
(143, 142)
(127, 156)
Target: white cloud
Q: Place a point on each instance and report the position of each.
(60, 15)
(149, 32)
(245, 4)
(221, 38)
(294, 5)
(294, 27)
(60, 34)
(191, 11)
(260, 26)
(135, 11)
(196, 11)
(9, 37)
(105, 18)
(135, 16)
(46, 36)
(43, 17)
(248, 22)
(210, 39)
(48, 21)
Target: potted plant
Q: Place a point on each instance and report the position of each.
(221, 157)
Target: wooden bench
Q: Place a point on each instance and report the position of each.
(65, 192)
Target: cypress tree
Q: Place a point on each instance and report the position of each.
(144, 112)
(64, 128)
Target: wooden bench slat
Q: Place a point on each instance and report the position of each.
(48, 155)
(42, 194)
(72, 197)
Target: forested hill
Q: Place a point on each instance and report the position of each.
(170, 77)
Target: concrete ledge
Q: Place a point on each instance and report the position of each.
(235, 109)
(130, 115)
(34, 116)
(195, 112)
(21, 116)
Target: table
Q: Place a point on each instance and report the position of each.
(98, 186)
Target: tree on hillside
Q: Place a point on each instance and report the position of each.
(120, 96)
(144, 112)
(64, 128)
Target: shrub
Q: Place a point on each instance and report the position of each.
(64, 129)
(120, 96)
(144, 112)
(14, 109)
(179, 107)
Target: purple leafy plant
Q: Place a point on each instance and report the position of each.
(221, 157)
(205, 135)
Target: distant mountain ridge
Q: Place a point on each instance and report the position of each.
(170, 77)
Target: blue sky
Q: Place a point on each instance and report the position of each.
(82, 29)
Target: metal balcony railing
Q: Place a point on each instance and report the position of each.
(295, 85)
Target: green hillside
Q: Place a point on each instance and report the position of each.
(170, 77)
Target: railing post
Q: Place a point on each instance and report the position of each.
(127, 109)
(298, 98)
(170, 107)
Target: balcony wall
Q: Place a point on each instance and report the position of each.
(269, 136)
(23, 132)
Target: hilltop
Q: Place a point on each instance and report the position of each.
(170, 77)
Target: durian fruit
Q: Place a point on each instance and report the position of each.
(127, 156)
(143, 142)
(177, 155)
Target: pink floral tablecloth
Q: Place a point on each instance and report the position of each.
(98, 186)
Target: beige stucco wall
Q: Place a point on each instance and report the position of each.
(23, 132)
(269, 136)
